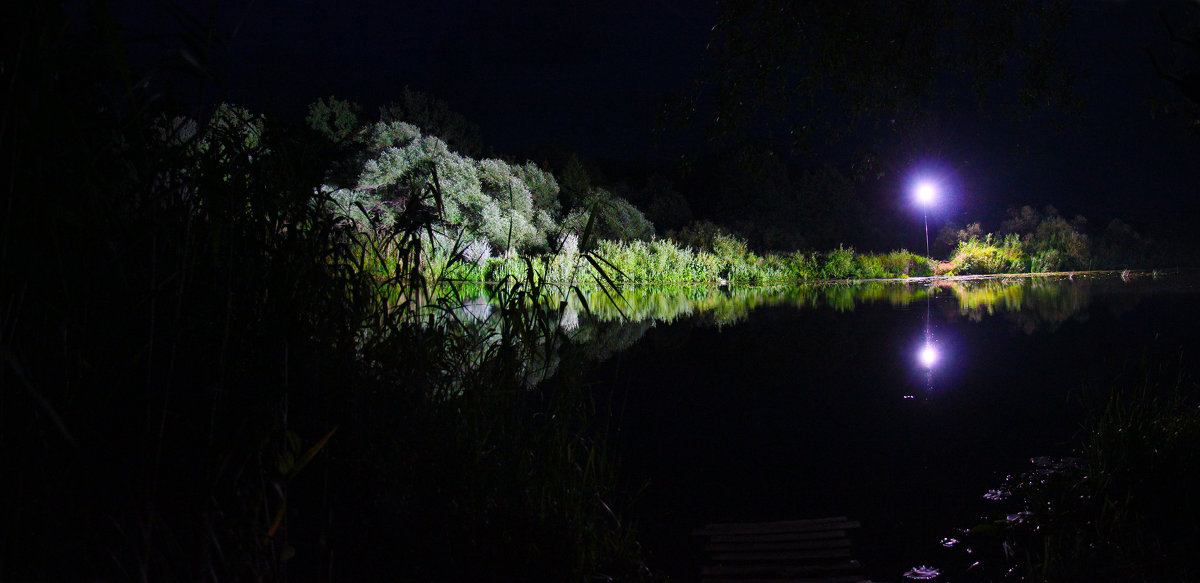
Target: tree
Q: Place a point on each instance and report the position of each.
(811, 71)
(576, 182)
(335, 119)
(434, 117)
(1183, 74)
(1186, 80)
(664, 205)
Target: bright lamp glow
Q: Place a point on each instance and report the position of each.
(926, 193)
(928, 355)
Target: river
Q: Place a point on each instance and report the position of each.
(898, 404)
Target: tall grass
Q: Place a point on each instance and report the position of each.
(663, 262)
(208, 372)
(990, 255)
(1127, 508)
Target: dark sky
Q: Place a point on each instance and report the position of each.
(590, 76)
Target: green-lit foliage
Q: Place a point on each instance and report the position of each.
(542, 186)
(337, 120)
(488, 199)
(616, 218)
(1057, 245)
(838, 264)
(662, 262)
(1051, 242)
(974, 256)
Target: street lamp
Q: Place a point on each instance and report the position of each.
(926, 192)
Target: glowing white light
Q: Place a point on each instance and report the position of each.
(928, 355)
(926, 193)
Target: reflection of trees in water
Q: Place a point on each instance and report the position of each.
(1032, 304)
(607, 325)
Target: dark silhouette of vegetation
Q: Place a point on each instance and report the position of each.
(1042, 241)
(1186, 80)
(434, 117)
(1124, 509)
(208, 371)
(816, 71)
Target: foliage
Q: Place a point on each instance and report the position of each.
(839, 264)
(337, 120)
(728, 260)
(509, 206)
(814, 70)
(542, 187)
(576, 183)
(701, 235)
(1053, 243)
(1043, 241)
(1119, 246)
(434, 117)
(665, 206)
(1126, 509)
(616, 218)
(212, 355)
(988, 256)
(950, 235)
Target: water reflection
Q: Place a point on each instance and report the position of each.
(928, 355)
(1031, 303)
(601, 324)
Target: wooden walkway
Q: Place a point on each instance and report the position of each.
(809, 551)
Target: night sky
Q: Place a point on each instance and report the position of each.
(591, 76)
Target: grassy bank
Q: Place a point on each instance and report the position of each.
(729, 261)
(663, 262)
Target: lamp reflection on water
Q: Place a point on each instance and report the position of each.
(927, 354)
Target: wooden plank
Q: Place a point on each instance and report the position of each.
(797, 523)
(778, 527)
(779, 537)
(778, 556)
(798, 571)
(831, 579)
(831, 543)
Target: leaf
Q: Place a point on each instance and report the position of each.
(312, 452)
(278, 521)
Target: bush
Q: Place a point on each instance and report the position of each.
(616, 218)
(976, 257)
(1127, 508)
(839, 264)
(510, 206)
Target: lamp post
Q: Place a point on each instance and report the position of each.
(926, 192)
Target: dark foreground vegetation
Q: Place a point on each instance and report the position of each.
(1123, 507)
(206, 375)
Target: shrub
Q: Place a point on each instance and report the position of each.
(839, 264)
(616, 218)
(700, 235)
(984, 257)
(729, 247)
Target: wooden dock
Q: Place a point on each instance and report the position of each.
(809, 551)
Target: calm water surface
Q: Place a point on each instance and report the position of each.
(756, 405)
